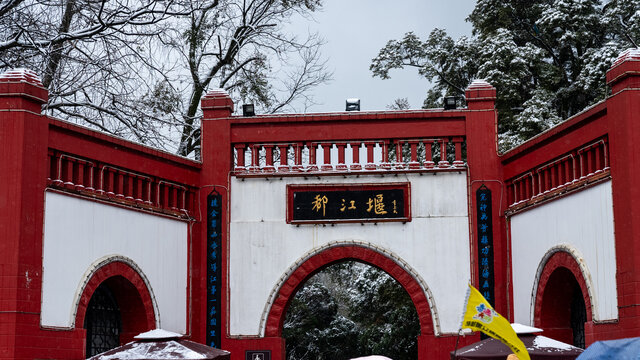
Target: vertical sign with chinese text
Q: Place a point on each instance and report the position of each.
(485, 244)
(214, 267)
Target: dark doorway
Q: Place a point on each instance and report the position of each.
(563, 311)
(102, 321)
(578, 318)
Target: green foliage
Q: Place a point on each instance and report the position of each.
(547, 59)
(350, 310)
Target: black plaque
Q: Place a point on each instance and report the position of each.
(353, 203)
(214, 268)
(485, 244)
(257, 355)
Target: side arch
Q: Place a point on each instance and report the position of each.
(124, 273)
(335, 252)
(561, 257)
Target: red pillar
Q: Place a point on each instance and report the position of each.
(217, 156)
(484, 168)
(23, 173)
(623, 112)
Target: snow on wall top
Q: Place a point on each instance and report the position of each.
(217, 92)
(479, 84)
(21, 75)
(627, 55)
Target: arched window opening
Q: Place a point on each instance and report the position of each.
(350, 309)
(102, 321)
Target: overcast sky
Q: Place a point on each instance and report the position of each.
(355, 30)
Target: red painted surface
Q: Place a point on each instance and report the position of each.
(317, 262)
(485, 169)
(131, 294)
(217, 155)
(37, 152)
(560, 275)
(624, 138)
(26, 141)
(615, 124)
(23, 147)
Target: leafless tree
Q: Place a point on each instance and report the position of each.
(138, 68)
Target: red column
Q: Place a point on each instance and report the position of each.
(23, 173)
(217, 158)
(623, 111)
(485, 169)
(355, 147)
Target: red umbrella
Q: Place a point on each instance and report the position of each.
(162, 345)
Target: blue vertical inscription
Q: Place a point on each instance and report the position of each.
(485, 244)
(214, 266)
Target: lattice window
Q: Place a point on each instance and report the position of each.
(102, 322)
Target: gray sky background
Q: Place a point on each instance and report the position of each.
(354, 32)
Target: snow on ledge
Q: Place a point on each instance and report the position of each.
(21, 75)
(479, 84)
(157, 334)
(524, 329)
(629, 54)
(217, 92)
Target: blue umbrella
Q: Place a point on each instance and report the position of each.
(621, 349)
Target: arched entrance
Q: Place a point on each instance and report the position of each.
(562, 303)
(417, 291)
(350, 309)
(115, 306)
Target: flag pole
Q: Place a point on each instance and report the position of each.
(455, 351)
(464, 310)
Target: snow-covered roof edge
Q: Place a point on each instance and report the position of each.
(157, 334)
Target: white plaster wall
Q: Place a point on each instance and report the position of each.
(78, 232)
(435, 244)
(583, 222)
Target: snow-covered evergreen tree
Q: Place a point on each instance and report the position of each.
(349, 310)
(547, 59)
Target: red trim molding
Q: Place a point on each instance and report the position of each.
(560, 259)
(315, 263)
(122, 270)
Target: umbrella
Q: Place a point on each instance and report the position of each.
(627, 349)
(539, 347)
(162, 345)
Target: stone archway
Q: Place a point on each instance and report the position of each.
(562, 302)
(418, 293)
(120, 294)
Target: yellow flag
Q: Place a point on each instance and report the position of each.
(480, 316)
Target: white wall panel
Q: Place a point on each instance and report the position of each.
(582, 221)
(78, 232)
(435, 244)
